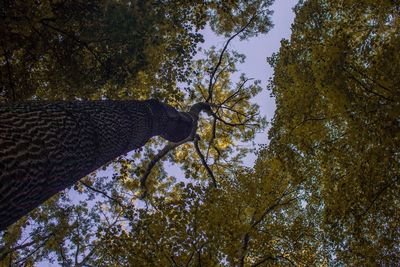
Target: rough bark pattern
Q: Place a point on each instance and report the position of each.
(46, 147)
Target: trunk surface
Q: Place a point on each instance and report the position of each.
(46, 147)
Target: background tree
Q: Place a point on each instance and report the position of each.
(336, 126)
(110, 49)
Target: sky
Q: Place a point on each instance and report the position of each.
(256, 50)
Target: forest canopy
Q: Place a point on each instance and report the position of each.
(324, 191)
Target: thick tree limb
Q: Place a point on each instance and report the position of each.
(194, 115)
(162, 153)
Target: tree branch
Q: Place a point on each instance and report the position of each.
(243, 249)
(35, 250)
(102, 193)
(5, 252)
(194, 114)
(209, 171)
(168, 147)
(212, 80)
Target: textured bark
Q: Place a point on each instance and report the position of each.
(46, 147)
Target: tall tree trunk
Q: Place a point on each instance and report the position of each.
(46, 147)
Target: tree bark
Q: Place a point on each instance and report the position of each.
(46, 147)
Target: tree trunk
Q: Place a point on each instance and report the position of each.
(46, 147)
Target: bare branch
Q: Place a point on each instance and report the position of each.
(234, 110)
(273, 259)
(366, 86)
(34, 251)
(277, 203)
(239, 100)
(247, 237)
(211, 141)
(201, 91)
(243, 250)
(5, 252)
(377, 195)
(212, 80)
(168, 147)
(236, 92)
(78, 241)
(221, 106)
(220, 72)
(263, 260)
(245, 123)
(88, 256)
(102, 193)
(209, 171)
(75, 38)
(62, 253)
(369, 78)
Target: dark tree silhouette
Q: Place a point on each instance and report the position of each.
(46, 147)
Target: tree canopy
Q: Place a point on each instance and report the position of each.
(324, 191)
(336, 126)
(110, 49)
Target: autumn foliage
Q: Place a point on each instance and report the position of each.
(324, 192)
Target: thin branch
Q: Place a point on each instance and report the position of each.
(209, 171)
(378, 194)
(212, 82)
(34, 251)
(287, 259)
(102, 193)
(64, 259)
(78, 240)
(273, 259)
(190, 258)
(234, 111)
(243, 249)
(220, 73)
(246, 238)
(173, 260)
(263, 260)
(76, 39)
(236, 124)
(237, 91)
(221, 106)
(4, 252)
(369, 78)
(88, 256)
(211, 141)
(201, 91)
(239, 100)
(365, 86)
(278, 202)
